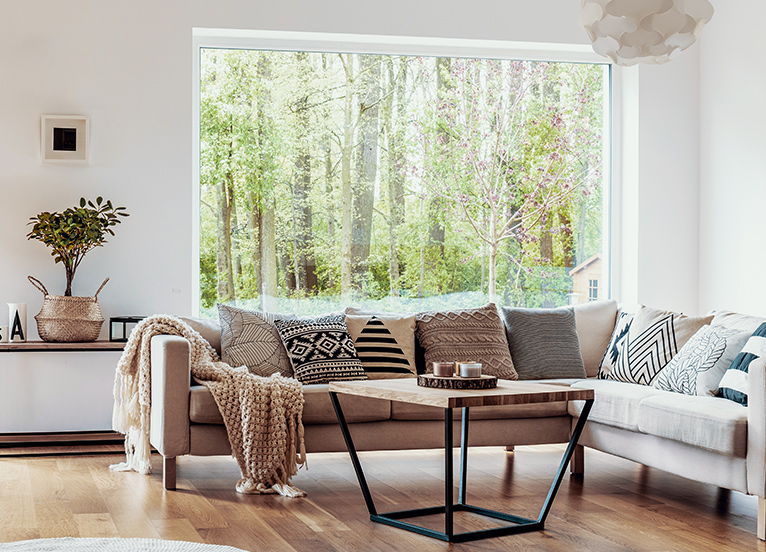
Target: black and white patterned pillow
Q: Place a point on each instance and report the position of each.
(699, 365)
(384, 342)
(320, 349)
(249, 338)
(616, 344)
(654, 337)
(734, 383)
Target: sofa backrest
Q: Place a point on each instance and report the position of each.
(209, 329)
(595, 323)
(736, 321)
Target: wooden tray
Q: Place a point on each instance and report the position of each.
(456, 382)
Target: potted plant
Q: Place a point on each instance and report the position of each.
(70, 235)
(74, 232)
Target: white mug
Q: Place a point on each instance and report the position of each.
(3, 334)
(17, 322)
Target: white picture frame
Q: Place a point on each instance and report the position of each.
(64, 138)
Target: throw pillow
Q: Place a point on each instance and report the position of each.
(733, 385)
(320, 349)
(249, 338)
(543, 343)
(654, 338)
(466, 335)
(700, 364)
(619, 338)
(595, 321)
(385, 343)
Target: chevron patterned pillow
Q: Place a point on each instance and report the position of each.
(654, 338)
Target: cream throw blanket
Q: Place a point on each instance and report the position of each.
(263, 416)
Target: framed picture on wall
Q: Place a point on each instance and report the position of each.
(64, 138)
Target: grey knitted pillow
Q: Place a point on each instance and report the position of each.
(544, 343)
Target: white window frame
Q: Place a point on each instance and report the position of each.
(401, 45)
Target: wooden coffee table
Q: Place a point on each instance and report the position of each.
(506, 393)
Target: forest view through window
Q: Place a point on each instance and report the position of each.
(399, 183)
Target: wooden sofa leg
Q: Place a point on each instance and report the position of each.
(510, 448)
(577, 464)
(761, 527)
(169, 473)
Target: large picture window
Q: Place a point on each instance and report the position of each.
(397, 182)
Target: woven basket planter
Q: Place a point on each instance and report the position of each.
(65, 319)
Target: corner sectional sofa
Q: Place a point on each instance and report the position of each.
(705, 438)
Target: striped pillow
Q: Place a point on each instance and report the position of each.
(734, 383)
(385, 343)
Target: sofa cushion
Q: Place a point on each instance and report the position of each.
(384, 342)
(316, 410)
(543, 342)
(595, 322)
(320, 349)
(249, 338)
(616, 402)
(654, 337)
(735, 382)
(699, 365)
(708, 422)
(738, 321)
(466, 335)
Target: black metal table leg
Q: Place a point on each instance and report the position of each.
(463, 457)
(519, 524)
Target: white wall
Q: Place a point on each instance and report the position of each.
(733, 146)
(128, 65)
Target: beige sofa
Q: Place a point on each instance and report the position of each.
(707, 439)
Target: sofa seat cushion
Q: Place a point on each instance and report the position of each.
(712, 423)
(316, 410)
(616, 402)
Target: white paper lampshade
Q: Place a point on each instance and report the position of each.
(643, 31)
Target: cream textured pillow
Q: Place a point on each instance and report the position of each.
(466, 335)
(384, 342)
(249, 338)
(595, 322)
(654, 337)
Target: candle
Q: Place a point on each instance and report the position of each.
(470, 370)
(444, 369)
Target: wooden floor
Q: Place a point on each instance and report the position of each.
(618, 505)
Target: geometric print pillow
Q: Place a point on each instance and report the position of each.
(320, 349)
(699, 365)
(733, 385)
(385, 343)
(619, 339)
(653, 339)
(249, 338)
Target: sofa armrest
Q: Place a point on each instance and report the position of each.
(171, 376)
(756, 428)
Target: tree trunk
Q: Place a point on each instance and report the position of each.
(305, 263)
(345, 175)
(366, 169)
(396, 161)
(223, 262)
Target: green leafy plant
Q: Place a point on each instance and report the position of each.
(75, 231)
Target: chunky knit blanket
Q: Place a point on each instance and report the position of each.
(263, 416)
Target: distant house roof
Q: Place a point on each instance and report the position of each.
(583, 265)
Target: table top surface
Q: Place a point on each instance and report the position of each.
(58, 347)
(506, 392)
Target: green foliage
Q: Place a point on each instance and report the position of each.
(498, 164)
(75, 231)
